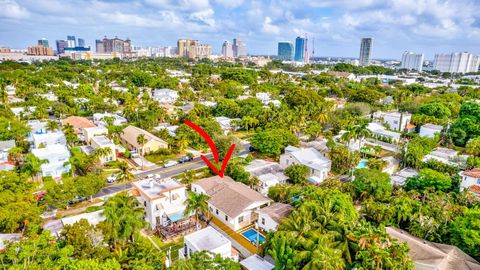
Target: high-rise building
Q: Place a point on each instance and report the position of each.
(43, 42)
(366, 51)
(227, 49)
(40, 50)
(412, 61)
(81, 42)
(460, 62)
(193, 49)
(71, 42)
(114, 45)
(285, 50)
(299, 49)
(239, 48)
(61, 45)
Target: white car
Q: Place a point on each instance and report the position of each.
(112, 178)
(170, 163)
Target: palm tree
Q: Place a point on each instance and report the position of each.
(32, 166)
(362, 131)
(282, 251)
(196, 202)
(141, 140)
(124, 176)
(187, 177)
(52, 125)
(181, 143)
(349, 134)
(319, 253)
(123, 214)
(102, 152)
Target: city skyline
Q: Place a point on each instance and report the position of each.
(429, 28)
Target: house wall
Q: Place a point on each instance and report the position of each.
(90, 133)
(152, 146)
(49, 139)
(468, 181)
(111, 157)
(288, 159)
(266, 223)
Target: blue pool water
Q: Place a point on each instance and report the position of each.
(362, 164)
(176, 216)
(251, 235)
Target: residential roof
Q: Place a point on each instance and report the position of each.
(102, 141)
(131, 133)
(309, 157)
(440, 256)
(400, 177)
(154, 189)
(340, 74)
(410, 126)
(256, 262)
(207, 239)
(474, 189)
(475, 173)
(276, 211)
(432, 126)
(5, 145)
(229, 196)
(78, 122)
(8, 237)
(93, 218)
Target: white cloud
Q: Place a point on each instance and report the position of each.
(205, 16)
(11, 9)
(130, 19)
(229, 3)
(270, 28)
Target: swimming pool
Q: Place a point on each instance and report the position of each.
(362, 164)
(251, 236)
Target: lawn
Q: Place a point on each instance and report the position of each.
(174, 245)
(160, 158)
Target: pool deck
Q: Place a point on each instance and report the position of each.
(236, 236)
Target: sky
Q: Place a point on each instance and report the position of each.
(336, 26)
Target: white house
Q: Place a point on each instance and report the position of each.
(429, 130)
(170, 128)
(104, 142)
(226, 123)
(23, 111)
(265, 99)
(162, 199)
(10, 90)
(5, 146)
(446, 156)
(206, 239)
(269, 217)
(57, 156)
(99, 119)
(6, 238)
(471, 181)
(165, 95)
(49, 138)
(231, 202)
(318, 164)
(395, 120)
(268, 173)
(90, 132)
(379, 132)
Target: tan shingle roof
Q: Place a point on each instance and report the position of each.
(277, 211)
(443, 257)
(131, 133)
(229, 196)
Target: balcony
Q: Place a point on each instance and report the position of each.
(179, 228)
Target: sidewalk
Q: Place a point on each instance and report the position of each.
(238, 241)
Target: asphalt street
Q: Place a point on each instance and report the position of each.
(196, 163)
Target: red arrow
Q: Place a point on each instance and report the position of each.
(214, 150)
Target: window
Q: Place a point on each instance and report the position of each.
(210, 209)
(145, 203)
(216, 211)
(478, 181)
(263, 221)
(226, 218)
(240, 219)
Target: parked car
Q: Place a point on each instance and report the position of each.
(185, 159)
(112, 178)
(170, 163)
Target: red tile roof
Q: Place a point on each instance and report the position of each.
(475, 189)
(475, 173)
(410, 126)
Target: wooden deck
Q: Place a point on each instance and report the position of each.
(235, 235)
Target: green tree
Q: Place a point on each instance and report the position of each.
(297, 173)
(196, 202)
(124, 216)
(428, 178)
(32, 165)
(86, 241)
(223, 144)
(372, 183)
(465, 232)
(124, 176)
(272, 142)
(473, 146)
(52, 125)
